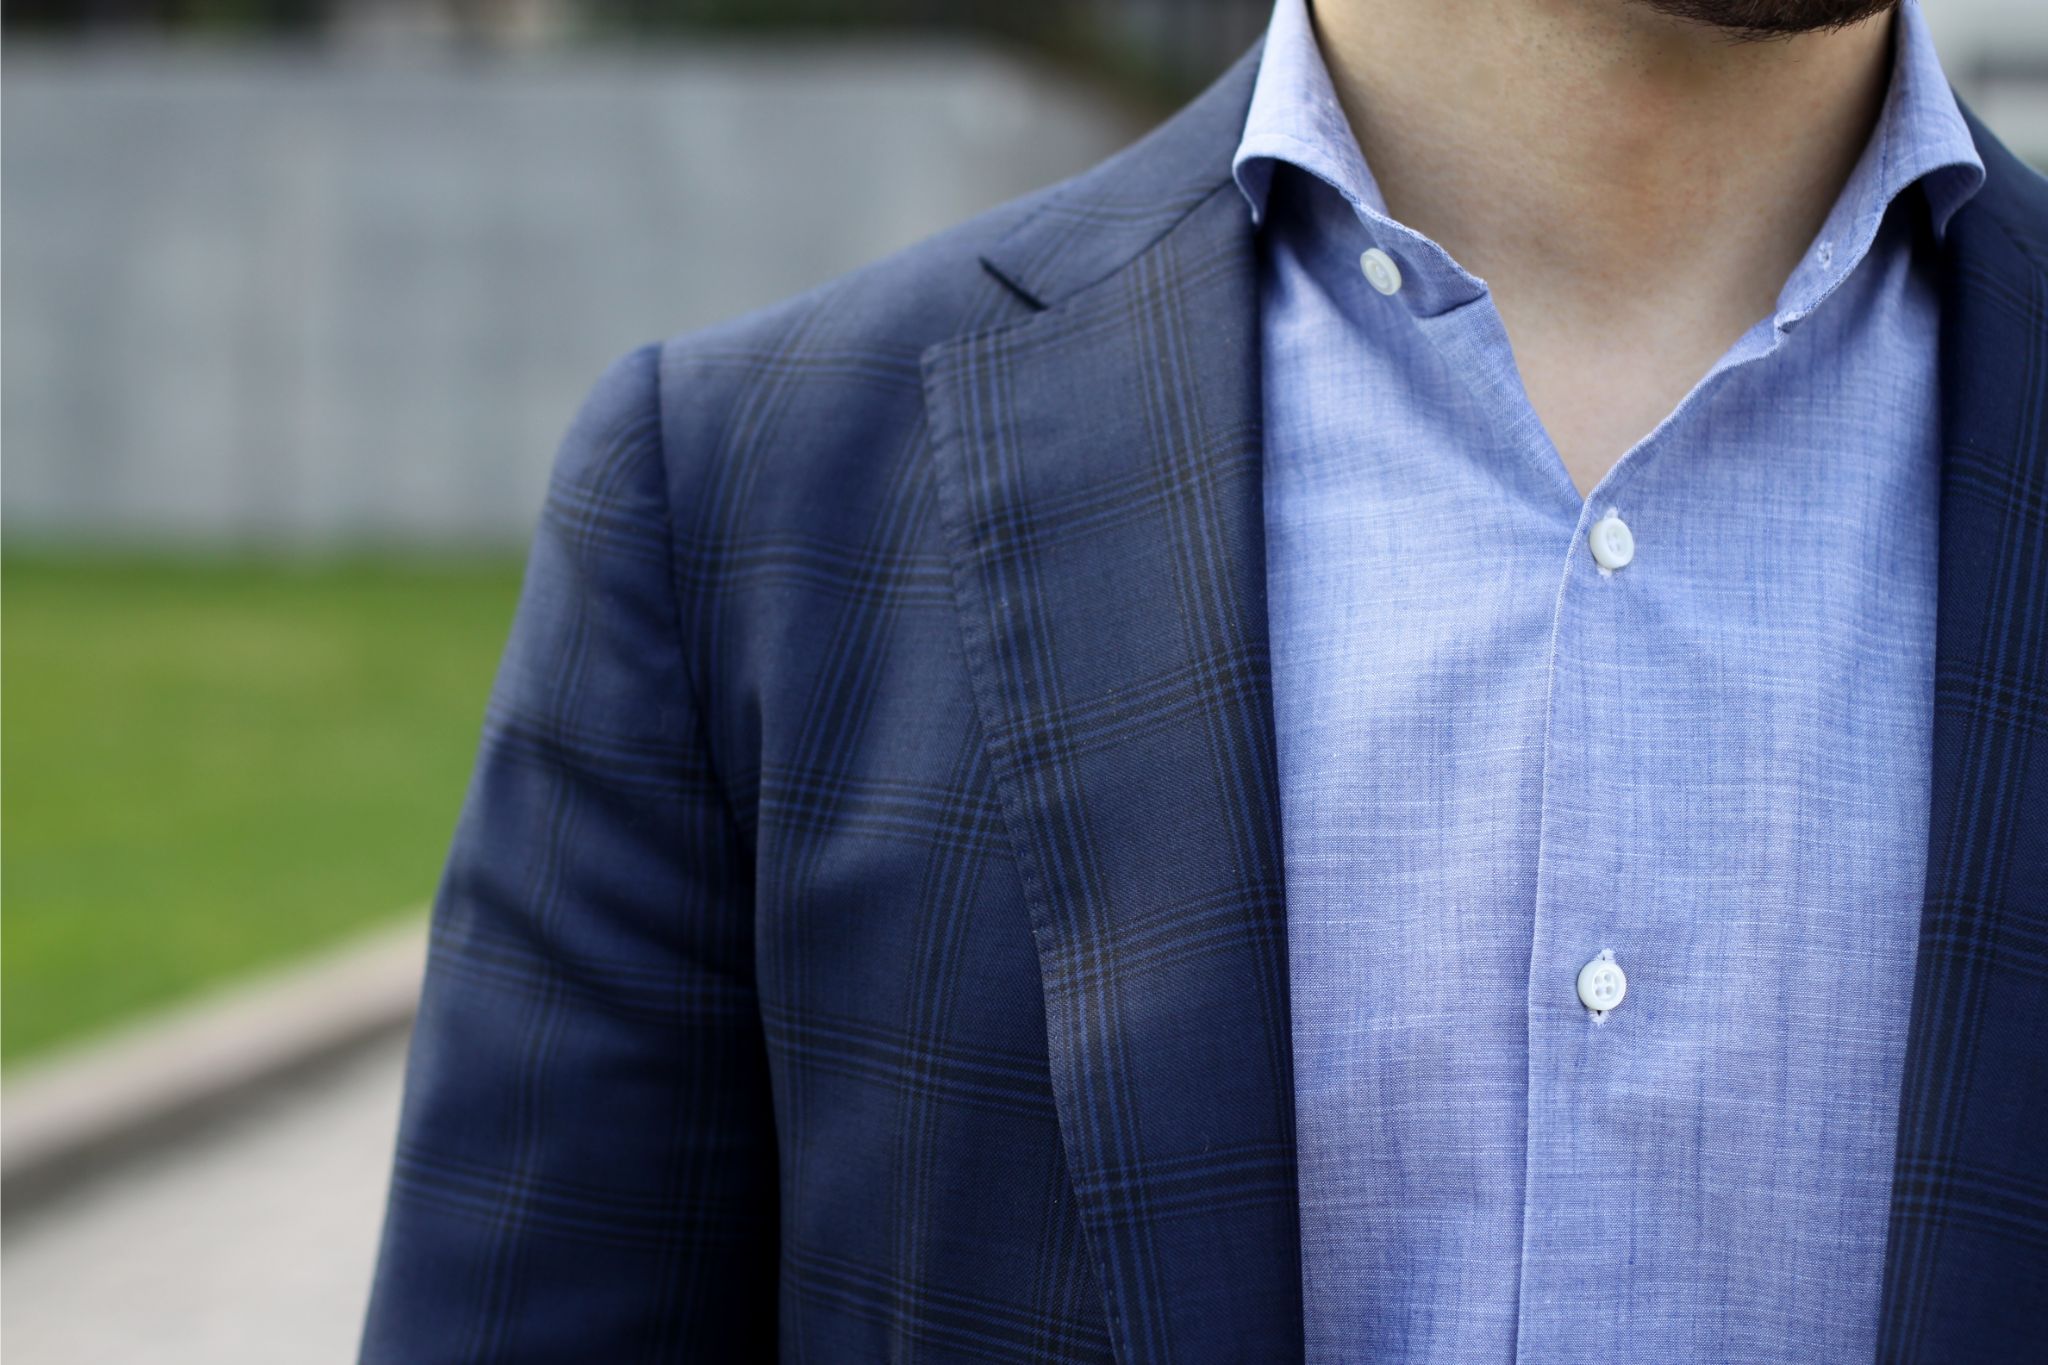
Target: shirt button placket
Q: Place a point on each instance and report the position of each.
(1583, 924)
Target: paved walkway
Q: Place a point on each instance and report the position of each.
(249, 1241)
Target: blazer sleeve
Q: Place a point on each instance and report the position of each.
(586, 1166)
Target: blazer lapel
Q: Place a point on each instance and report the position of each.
(1966, 1273)
(1100, 483)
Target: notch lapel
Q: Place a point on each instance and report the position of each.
(1966, 1268)
(1100, 483)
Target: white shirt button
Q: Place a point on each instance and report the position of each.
(1613, 545)
(1380, 271)
(1602, 983)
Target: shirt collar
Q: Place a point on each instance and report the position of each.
(1920, 135)
(1920, 138)
(1295, 117)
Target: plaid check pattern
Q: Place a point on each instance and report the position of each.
(1966, 1271)
(863, 935)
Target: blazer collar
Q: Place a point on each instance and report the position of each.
(1099, 222)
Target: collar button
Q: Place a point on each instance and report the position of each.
(1380, 271)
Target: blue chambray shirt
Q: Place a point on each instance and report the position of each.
(1499, 759)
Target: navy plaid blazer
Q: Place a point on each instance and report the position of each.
(863, 937)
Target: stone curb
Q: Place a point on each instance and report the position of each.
(65, 1118)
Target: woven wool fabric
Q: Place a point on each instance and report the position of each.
(864, 938)
(1498, 758)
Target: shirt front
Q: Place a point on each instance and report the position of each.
(1603, 847)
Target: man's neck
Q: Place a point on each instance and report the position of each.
(1622, 180)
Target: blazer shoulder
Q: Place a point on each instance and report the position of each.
(997, 267)
(837, 369)
(909, 299)
(825, 391)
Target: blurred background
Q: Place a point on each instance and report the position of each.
(298, 297)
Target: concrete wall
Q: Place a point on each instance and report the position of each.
(290, 296)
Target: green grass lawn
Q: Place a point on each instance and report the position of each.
(212, 765)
